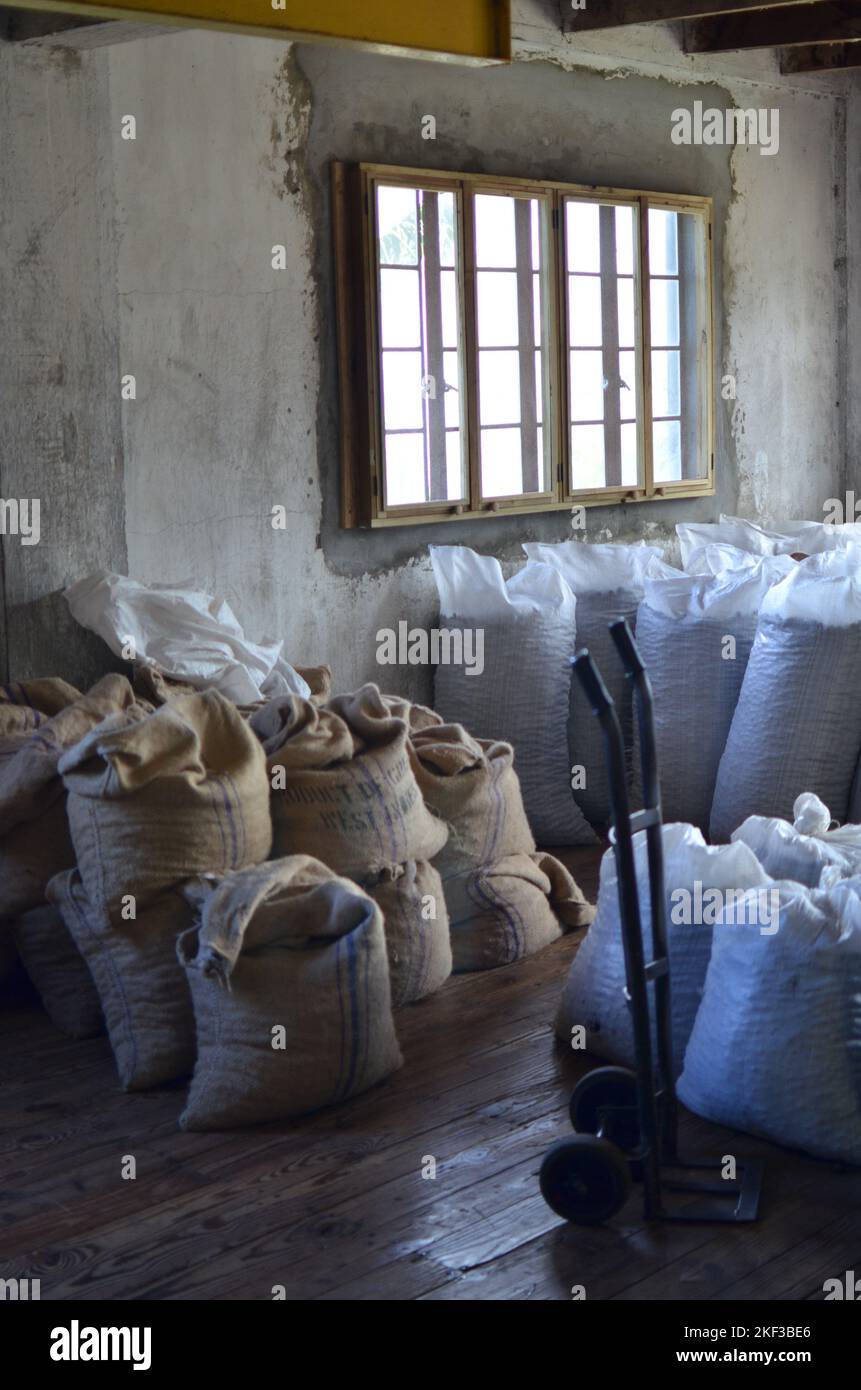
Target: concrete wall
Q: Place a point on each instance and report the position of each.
(234, 362)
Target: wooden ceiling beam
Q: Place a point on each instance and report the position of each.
(613, 14)
(827, 22)
(821, 57)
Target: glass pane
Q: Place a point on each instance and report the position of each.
(499, 387)
(582, 235)
(587, 386)
(535, 229)
(539, 387)
(663, 242)
(536, 309)
(625, 223)
(405, 469)
(403, 396)
(400, 318)
(625, 297)
(494, 231)
(629, 455)
(665, 313)
(584, 310)
(448, 292)
(421, 365)
(587, 456)
(627, 386)
(396, 223)
(497, 308)
(665, 383)
(501, 463)
(667, 451)
(451, 389)
(447, 232)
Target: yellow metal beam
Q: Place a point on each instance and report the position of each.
(465, 31)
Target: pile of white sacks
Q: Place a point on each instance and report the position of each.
(754, 654)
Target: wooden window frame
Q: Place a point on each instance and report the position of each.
(357, 307)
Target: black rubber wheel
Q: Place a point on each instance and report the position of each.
(607, 1086)
(585, 1179)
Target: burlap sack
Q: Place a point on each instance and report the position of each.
(143, 994)
(24, 705)
(290, 983)
(471, 784)
(415, 716)
(158, 799)
(58, 972)
(151, 684)
(503, 911)
(411, 899)
(343, 788)
(319, 681)
(35, 843)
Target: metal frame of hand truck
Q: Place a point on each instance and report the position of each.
(655, 1157)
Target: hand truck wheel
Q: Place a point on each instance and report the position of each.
(585, 1179)
(604, 1102)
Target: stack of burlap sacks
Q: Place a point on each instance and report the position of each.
(283, 854)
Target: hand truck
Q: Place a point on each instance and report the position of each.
(626, 1122)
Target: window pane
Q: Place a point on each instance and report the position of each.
(497, 308)
(625, 299)
(665, 313)
(587, 386)
(627, 386)
(402, 390)
(584, 310)
(421, 365)
(625, 223)
(663, 242)
(400, 319)
(680, 321)
(448, 291)
(665, 383)
(494, 231)
(501, 463)
(509, 313)
(396, 222)
(582, 236)
(629, 455)
(499, 387)
(667, 451)
(405, 468)
(587, 456)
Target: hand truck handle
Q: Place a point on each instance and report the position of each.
(590, 680)
(627, 648)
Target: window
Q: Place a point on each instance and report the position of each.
(512, 346)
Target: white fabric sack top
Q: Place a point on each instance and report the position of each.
(473, 586)
(186, 633)
(776, 1046)
(824, 589)
(796, 537)
(719, 557)
(594, 993)
(722, 595)
(807, 849)
(592, 569)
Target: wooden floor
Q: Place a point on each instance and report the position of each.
(335, 1207)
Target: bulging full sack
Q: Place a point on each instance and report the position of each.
(528, 628)
(699, 880)
(154, 799)
(343, 786)
(290, 982)
(694, 634)
(797, 724)
(776, 1047)
(471, 784)
(511, 908)
(35, 843)
(607, 581)
(804, 849)
(58, 972)
(415, 917)
(143, 994)
(799, 538)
